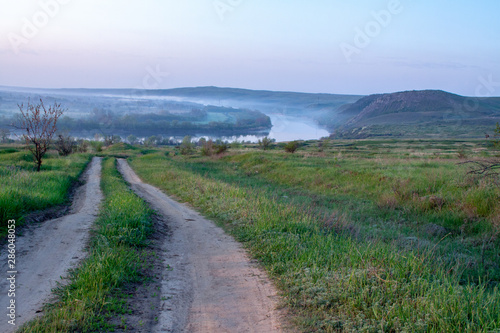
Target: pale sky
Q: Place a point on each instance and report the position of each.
(331, 46)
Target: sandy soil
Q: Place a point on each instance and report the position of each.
(209, 284)
(44, 252)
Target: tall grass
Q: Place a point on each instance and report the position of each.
(114, 259)
(23, 191)
(333, 278)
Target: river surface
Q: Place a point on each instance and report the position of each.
(287, 128)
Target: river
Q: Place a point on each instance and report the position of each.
(287, 128)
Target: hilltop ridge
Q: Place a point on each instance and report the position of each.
(402, 112)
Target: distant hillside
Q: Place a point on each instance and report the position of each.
(319, 107)
(425, 114)
(308, 105)
(404, 112)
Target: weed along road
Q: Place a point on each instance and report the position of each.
(209, 284)
(46, 251)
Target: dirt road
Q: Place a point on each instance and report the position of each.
(46, 251)
(209, 283)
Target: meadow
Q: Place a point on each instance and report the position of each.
(23, 191)
(360, 236)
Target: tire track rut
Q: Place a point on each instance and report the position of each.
(45, 252)
(209, 283)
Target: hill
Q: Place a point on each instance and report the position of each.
(418, 113)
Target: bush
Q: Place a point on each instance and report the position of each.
(65, 145)
(83, 146)
(291, 147)
(220, 147)
(207, 147)
(323, 144)
(237, 145)
(266, 143)
(97, 145)
(186, 147)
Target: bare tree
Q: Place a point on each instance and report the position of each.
(39, 124)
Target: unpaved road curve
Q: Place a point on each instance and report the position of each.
(209, 284)
(46, 251)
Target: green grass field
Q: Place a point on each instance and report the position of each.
(23, 191)
(363, 236)
(359, 236)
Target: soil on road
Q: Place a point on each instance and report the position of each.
(209, 283)
(45, 252)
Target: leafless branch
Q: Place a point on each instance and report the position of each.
(483, 167)
(39, 125)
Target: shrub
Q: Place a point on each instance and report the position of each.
(266, 143)
(291, 147)
(186, 146)
(82, 146)
(65, 145)
(97, 145)
(323, 144)
(220, 147)
(207, 147)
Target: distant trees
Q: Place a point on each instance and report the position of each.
(195, 121)
(152, 141)
(111, 140)
(39, 125)
(132, 139)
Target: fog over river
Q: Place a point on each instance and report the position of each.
(288, 128)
